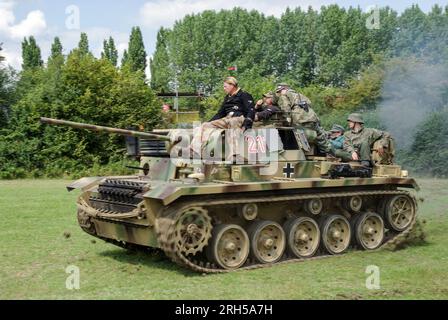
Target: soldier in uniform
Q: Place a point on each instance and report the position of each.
(265, 107)
(360, 141)
(301, 114)
(337, 139)
(237, 111)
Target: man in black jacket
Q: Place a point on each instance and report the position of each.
(237, 104)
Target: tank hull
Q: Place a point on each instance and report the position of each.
(133, 210)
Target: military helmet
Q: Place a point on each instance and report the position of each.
(337, 128)
(356, 117)
(282, 86)
(232, 81)
(270, 94)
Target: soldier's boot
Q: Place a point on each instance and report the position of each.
(366, 163)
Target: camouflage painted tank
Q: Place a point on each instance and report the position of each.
(279, 202)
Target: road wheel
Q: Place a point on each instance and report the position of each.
(267, 241)
(229, 246)
(335, 234)
(369, 231)
(303, 237)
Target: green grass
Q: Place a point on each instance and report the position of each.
(34, 254)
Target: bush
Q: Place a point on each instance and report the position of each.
(429, 151)
(84, 89)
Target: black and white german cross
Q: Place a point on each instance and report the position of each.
(288, 170)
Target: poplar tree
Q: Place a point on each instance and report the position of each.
(110, 52)
(31, 54)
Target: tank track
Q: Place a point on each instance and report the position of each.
(165, 228)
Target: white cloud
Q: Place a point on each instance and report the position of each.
(12, 57)
(155, 14)
(12, 33)
(6, 15)
(33, 24)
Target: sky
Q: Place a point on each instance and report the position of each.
(100, 19)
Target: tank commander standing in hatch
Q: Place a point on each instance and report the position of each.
(237, 111)
(361, 141)
(265, 107)
(299, 108)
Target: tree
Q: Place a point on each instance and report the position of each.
(31, 54)
(2, 58)
(125, 58)
(159, 64)
(83, 44)
(7, 86)
(136, 54)
(87, 90)
(56, 48)
(56, 57)
(412, 34)
(110, 52)
(429, 151)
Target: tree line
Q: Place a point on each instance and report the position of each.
(327, 47)
(329, 55)
(78, 87)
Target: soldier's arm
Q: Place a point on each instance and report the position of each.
(248, 110)
(221, 114)
(284, 104)
(267, 113)
(338, 143)
(383, 136)
(348, 146)
(249, 106)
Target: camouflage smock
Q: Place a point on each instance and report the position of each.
(290, 101)
(353, 140)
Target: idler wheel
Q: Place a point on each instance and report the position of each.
(399, 212)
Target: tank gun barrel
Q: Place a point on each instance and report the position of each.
(91, 127)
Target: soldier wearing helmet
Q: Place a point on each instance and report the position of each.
(298, 110)
(362, 141)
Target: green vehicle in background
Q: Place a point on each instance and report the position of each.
(215, 216)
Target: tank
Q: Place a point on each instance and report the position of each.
(277, 202)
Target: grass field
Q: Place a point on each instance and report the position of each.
(34, 255)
